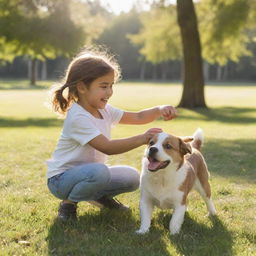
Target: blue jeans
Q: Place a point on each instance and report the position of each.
(89, 182)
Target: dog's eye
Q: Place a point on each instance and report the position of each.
(168, 146)
(151, 143)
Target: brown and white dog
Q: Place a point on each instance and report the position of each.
(172, 166)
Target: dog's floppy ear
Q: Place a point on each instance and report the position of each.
(185, 147)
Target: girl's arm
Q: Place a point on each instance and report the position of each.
(148, 115)
(118, 146)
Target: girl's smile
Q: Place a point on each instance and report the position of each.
(96, 95)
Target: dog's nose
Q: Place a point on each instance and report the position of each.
(153, 151)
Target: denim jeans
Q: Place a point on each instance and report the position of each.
(90, 182)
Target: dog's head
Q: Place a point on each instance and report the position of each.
(165, 149)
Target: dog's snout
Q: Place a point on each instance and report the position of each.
(153, 151)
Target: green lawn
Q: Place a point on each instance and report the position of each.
(29, 132)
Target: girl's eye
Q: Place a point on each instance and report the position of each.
(168, 146)
(106, 87)
(151, 143)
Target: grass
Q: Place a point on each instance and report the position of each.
(27, 213)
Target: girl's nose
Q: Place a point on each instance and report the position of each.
(110, 91)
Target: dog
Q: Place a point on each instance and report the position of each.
(171, 167)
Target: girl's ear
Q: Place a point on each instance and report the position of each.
(81, 88)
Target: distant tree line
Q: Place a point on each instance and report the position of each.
(244, 70)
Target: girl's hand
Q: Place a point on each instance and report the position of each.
(149, 134)
(168, 112)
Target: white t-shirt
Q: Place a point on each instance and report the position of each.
(79, 128)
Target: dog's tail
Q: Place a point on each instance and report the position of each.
(198, 139)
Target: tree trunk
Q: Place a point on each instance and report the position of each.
(225, 72)
(164, 71)
(219, 73)
(142, 70)
(154, 74)
(29, 68)
(44, 71)
(193, 84)
(33, 72)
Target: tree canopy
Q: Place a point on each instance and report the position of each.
(46, 29)
(223, 25)
(159, 36)
(36, 32)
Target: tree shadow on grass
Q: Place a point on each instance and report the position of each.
(103, 233)
(233, 115)
(224, 115)
(39, 122)
(198, 239)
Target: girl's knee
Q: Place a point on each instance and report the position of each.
(54, 187)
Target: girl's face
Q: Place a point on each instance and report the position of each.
(96, 95)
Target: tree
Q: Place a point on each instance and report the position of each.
(158, 38)
(38, 33)
(161, 41)
(115, 37)
(45, 30)
(224, 25)
(193, 85)
(157, 42)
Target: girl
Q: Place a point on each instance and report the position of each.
(77, 171)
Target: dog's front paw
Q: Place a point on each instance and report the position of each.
(141, 231)
(174, 230)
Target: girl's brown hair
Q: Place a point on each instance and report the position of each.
(88, 65)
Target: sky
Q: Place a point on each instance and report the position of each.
(118, 6)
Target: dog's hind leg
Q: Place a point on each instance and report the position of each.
(205, 191)
(146, 209)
